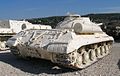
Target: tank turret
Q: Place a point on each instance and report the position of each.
(75, 43)
(9, 28)
(79, 24)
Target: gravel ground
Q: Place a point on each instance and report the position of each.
(12, 66)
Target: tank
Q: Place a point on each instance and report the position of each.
(75, 43)
(9, 28)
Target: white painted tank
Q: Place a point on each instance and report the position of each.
(64, 45)
(9, 28)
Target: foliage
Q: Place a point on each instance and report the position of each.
(110, 22)
(52, 21)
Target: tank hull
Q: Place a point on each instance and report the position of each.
(71, 49)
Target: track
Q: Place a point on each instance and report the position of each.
(84, 56)
(11, 66)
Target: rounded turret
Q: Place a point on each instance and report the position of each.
(79, 24)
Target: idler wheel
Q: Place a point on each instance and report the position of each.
(79, 61)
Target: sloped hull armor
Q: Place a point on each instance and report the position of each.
(63, 47)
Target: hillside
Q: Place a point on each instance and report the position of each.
(53, 21)
(104, 18)
(109, 20)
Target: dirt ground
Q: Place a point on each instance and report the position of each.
(12, 66)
